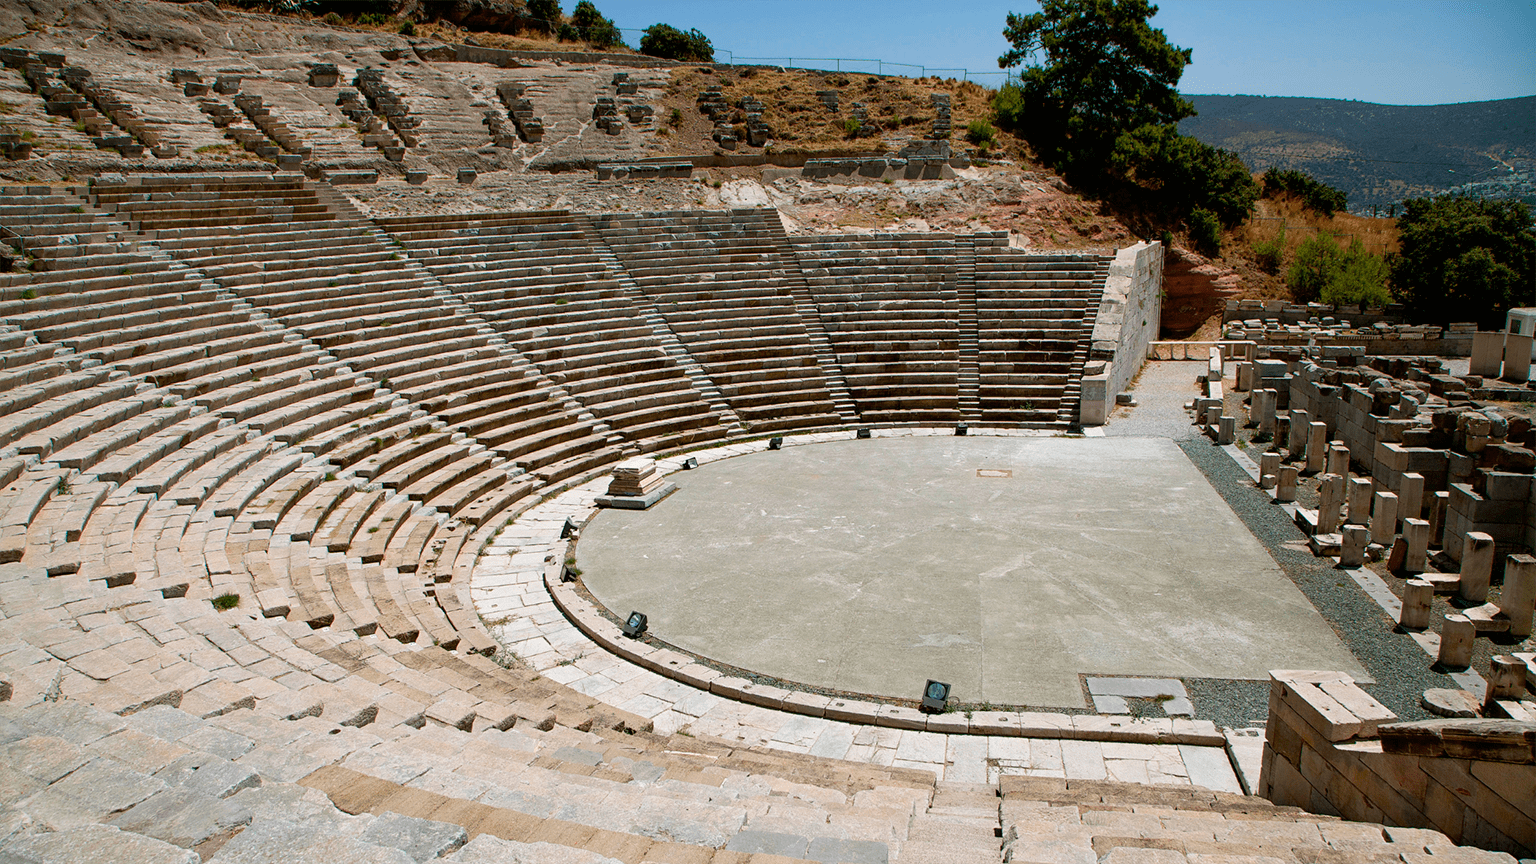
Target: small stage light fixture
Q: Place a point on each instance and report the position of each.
(961, 429)
(775, 443)
(634, 626)
(862, 433)
(935, 694)
(690, 463)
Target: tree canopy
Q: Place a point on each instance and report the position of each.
(588, 25)
(666, 41)
(1462, 258)
(1105, 71)
(1313, 193)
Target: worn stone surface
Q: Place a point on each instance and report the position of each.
(93, 844)
(422, 839)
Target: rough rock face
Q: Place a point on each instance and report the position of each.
(1194, 288)
(157, 27)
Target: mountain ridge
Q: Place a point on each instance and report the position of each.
(1379, 154)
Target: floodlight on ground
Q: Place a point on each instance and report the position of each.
(690, 463)
(566, 574)
(862, 433)
(935, 694)
(634, 625)
(570, 527)
(961, 429)
(776, 443)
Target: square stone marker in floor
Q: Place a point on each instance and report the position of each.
(1004, 566)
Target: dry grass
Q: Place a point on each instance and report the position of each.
(1379, 236)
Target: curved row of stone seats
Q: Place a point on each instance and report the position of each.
(341, 285)
(1035, 316)
(393, 715)
(154, 204)
(536, 278)
(1093, 820)
(719, 281)
(890, 308)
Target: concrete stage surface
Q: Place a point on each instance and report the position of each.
(1005, 566)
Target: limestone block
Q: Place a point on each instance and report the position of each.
(1417, 596)
(1245, 377)
(1410, 496)
(1285, 489)
(1487, 354)
(1359, 498)
(1445, 702)
(1477, 551)
(1330, 502)
(1439, 504)
(1506, 679)
(1300, 425)
(1416, 535)
(1338, 459)
(1517, 358)
(1518, 599)
(1317, 446)
(1226, 430)
(1269, 469)
(1352, 549)
(1384, 518)
(422, 839)
(1456, 638)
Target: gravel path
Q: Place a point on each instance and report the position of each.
(1400, 668)
(1161, 390)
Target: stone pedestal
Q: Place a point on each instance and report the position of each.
(1438, 505)
(1518, 599)
(1384, 518)
(1456, 637)
(1506, 680)
(1261, 412)
(1352, 549)
(1338, 459)
(1269, 469)
(1244, 376)
(1285, 489)
(1317, 446)
(1476, 566)
(1226, 430)
(1359, 500)
(1416, 534)
(636, 485)
(1330, 502)
(1417, 596)
(1517, 358)
(1297, 440)
(1410, 496)
(1487, 354)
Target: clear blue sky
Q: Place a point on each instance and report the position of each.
(1404, 52)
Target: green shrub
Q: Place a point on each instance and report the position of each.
(1315, 194)
(1360, 279)
(1270, 254)
(1316, 261)
(226, 601)
(852, 126)
(546, 14)
(332, 18)
(588, 25)
(1205, 231)
(980, 133)
(668, 42)
(407, 29)
(1008, 107)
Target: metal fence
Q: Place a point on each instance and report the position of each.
(862, 65)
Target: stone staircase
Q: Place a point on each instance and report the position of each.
(970, 377)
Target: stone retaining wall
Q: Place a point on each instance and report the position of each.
(1130, 313)
(1330, 748)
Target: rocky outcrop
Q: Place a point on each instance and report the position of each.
(1195, 288)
